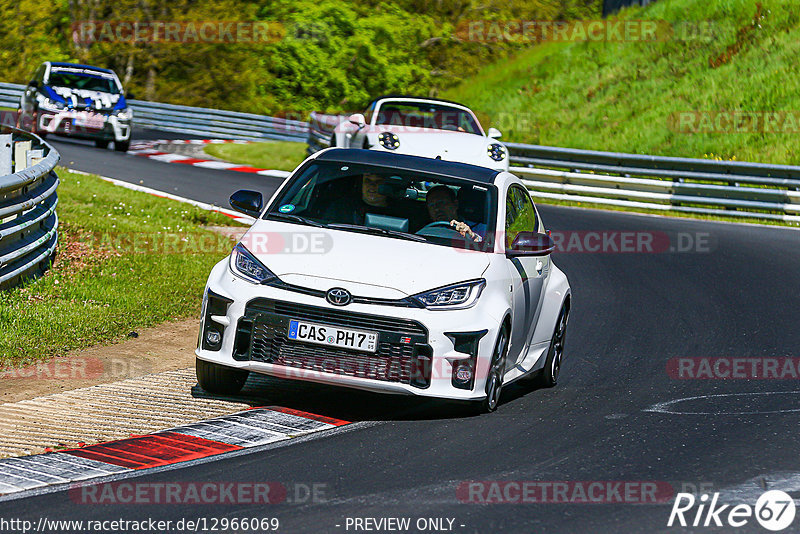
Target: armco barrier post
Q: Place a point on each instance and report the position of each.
(5, 154)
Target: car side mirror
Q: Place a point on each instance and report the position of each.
(358, 120)
(531, 244)
(494, 133)
(247, 202)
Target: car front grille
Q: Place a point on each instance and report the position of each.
(403, 354)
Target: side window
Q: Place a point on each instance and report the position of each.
(511, 217)
(526, 210)
(520, 214)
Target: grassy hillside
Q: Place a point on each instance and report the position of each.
(723, 56)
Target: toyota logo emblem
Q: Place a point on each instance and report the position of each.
(339, 297)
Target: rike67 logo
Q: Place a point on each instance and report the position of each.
(774, 510)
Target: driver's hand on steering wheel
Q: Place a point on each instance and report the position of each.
(463, 229)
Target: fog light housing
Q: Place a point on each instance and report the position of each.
(464, 370)
(463, 373)
(211, 332)
(213, 338)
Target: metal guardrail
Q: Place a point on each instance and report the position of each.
(216, 123)
(733, 189)
(9, 94)
(28, 220)
(710, 187)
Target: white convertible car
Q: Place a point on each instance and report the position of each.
(423, 127)
(428, 277)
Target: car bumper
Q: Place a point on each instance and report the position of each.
(415, 355)
(84, 125)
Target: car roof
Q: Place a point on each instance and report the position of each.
(79, 66)
(405, 162)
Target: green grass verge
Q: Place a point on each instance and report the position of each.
(126, 260)
(624, 96)
(278, 155)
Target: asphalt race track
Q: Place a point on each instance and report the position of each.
(197, 183)
(735, 296)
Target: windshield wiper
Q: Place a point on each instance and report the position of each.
(295, 218)
(378, 231)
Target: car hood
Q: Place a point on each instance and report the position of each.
(85, 99)
(448, 145)
(365, 265)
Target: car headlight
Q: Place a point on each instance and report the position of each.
(497, 151)
(51, 105)
(389, 141)
(457, 296)
(124, 114)
(247, 266)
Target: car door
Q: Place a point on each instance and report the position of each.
(528, 273)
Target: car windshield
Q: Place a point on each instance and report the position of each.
(430, 208)
(427, 115)
(83, 80)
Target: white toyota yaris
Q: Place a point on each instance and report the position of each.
(388, 273)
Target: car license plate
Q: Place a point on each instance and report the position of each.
(333, 336)
(88, 120)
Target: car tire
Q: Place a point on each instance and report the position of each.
(122, 146)
(219, 379)
(494, 379)
(548, 377)
(101, 143)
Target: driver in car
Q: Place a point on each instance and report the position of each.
(442, 205)
(373, 198)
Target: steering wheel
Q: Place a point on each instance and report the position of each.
(438, 225)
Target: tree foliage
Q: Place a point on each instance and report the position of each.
(327, 54)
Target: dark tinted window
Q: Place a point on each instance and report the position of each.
(520, 214)
(422, 115)
(427, 205)
(76, 80)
